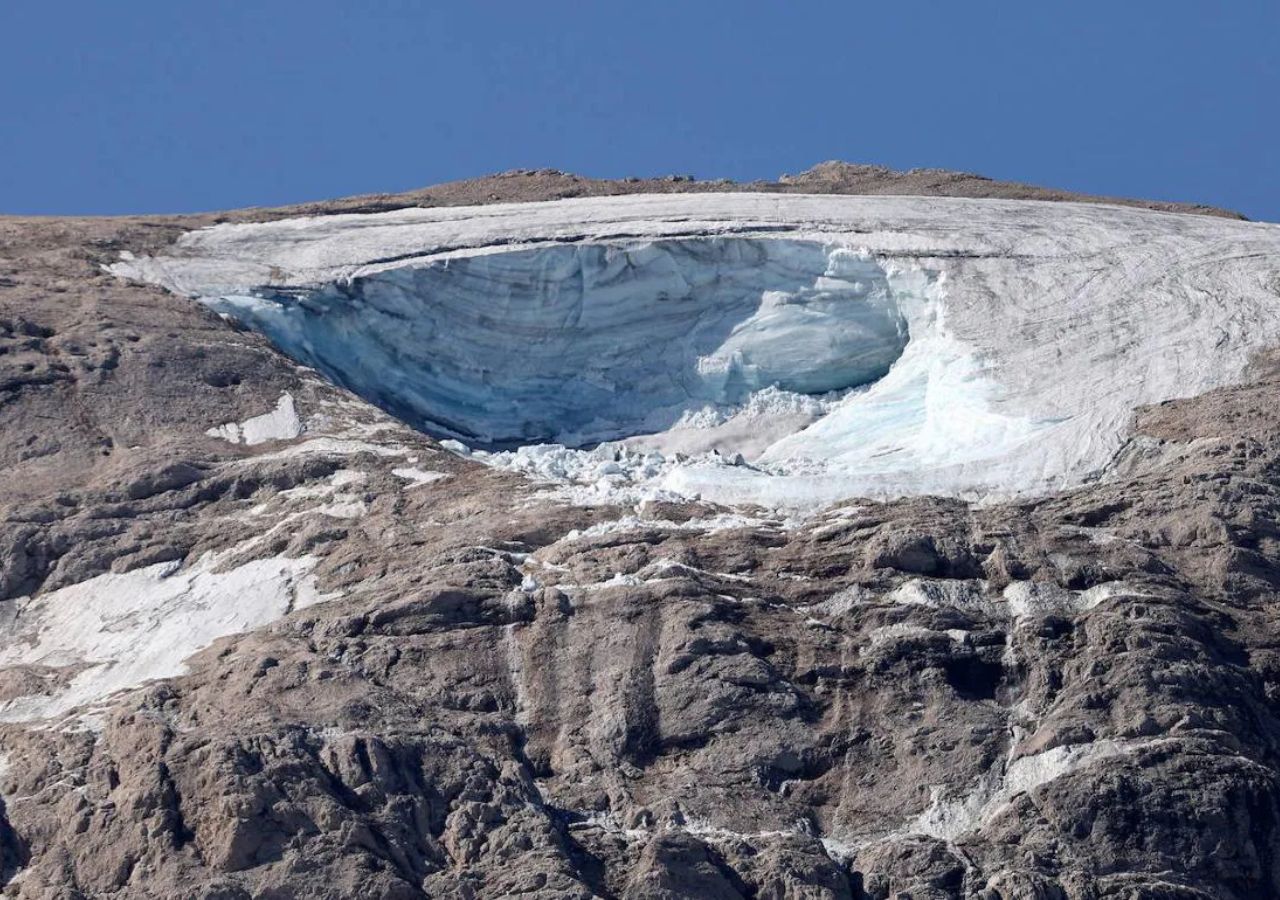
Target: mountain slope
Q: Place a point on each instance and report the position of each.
(389, 668)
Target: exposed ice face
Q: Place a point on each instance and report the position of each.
(595, 341)
(1032, 331)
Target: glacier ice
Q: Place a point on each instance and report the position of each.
(782, 350)
(581, 343)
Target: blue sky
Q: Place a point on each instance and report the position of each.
(173, 106)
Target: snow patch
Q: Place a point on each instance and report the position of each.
(899, 631)
(418, 477)
(280, 424)
(348, 478)
(948, 818)
(967, 596)
(1023, 600)
(708, 525)
(117, 631)
(330, 446)
(1039, 599)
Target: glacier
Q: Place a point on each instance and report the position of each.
(782, 350)
(590, 342)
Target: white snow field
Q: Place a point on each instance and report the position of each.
(788, 350)
(116, 631)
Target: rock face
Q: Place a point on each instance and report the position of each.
(261, 639)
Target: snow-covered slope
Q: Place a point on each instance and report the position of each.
(842, 345)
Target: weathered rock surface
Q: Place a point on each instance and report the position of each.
(487, 692)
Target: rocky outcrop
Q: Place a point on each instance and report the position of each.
(831, 177)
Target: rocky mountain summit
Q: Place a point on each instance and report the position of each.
(269, 629)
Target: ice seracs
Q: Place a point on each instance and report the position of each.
(784, 350)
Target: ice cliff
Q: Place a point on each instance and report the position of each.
(588, 342)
